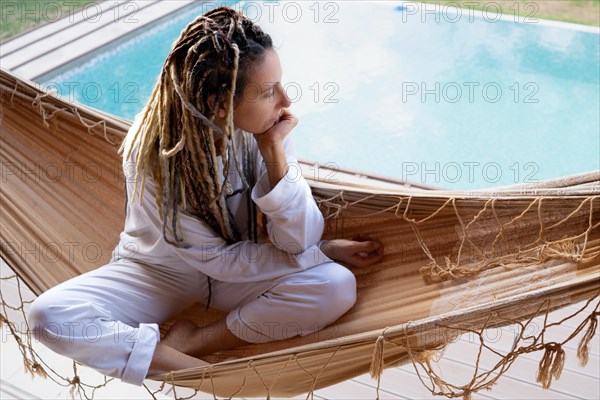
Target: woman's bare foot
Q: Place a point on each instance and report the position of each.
(188, 338)
(167, 359)
(181, 335)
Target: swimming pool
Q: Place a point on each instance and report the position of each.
(404, 92)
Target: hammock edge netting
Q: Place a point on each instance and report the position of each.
(409, 218)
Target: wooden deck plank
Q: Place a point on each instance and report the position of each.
(33, 55)
(57, 41)
(524, 370)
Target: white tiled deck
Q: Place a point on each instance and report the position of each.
(55, 45)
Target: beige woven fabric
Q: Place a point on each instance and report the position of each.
(455, 261)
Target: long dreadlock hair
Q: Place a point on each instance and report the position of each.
(214, 55)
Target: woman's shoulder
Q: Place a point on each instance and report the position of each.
(129, 143)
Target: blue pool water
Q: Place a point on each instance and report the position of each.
(452, 102)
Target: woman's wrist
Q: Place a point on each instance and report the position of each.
(275, 162)
(270, 149)
(326, 248)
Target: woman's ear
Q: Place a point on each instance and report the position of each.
(221, 112)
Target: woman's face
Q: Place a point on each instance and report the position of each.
(263, 99)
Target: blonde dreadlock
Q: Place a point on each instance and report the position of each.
(214, 55)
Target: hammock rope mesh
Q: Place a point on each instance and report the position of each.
(456, 261)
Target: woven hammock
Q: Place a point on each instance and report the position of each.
(456, 261)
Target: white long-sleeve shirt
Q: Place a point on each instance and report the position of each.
(295, 226)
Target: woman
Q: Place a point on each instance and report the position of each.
(210, 147)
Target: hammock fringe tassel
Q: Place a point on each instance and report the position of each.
(551, 364)
(583, 348)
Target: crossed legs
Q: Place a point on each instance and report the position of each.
(108, 318)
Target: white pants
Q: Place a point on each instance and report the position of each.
(108, 318)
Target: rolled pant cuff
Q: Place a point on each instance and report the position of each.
(141, 354)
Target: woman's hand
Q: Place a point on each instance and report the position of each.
(270, 145)
(361, 251)
(274, 135)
